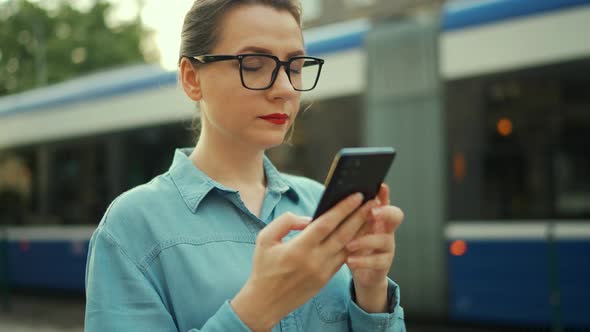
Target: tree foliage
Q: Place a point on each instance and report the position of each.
(40, 46)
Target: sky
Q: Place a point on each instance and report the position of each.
(164, 18)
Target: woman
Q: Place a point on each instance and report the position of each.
(220, 241)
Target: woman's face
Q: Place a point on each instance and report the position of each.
(231, 110)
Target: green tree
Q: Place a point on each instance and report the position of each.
(40, 46)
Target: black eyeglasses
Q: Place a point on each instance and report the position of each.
(259, 71)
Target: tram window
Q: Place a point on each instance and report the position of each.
(78, 187)
(572, 168)
(148, 152)
(17, 181)
(518, 146)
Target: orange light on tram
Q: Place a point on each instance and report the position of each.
(459, 167)
(504, 127)
(458, 248)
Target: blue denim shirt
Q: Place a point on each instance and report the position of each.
(170, 254)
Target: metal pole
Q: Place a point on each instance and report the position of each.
(4, 283)
(554, 290)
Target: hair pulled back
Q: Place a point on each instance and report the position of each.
(201, 28)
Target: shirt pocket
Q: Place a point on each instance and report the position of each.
(332, 301)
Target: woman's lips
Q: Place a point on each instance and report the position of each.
(276, 118)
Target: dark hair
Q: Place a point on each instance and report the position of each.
(201, 27)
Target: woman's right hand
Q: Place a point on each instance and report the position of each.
(285, 275)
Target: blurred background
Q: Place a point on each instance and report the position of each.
(486, 101)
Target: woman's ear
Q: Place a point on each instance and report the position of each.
(189, 77)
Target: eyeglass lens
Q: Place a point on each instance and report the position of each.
(257, 72)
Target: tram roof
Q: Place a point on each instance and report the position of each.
(461, 14)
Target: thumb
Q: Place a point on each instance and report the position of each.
(276, 230)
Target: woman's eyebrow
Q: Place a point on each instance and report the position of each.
(296, 53)
(257, 49)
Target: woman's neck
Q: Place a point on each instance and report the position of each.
(232, 164)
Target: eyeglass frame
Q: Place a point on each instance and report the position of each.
(210, 58)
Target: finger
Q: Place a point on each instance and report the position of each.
(335, 262)
(383, 194)
(387, 218)
(349, 228)
(280, 227)
(379, 242)
(380, 261)
(325, 224)
(367, 228)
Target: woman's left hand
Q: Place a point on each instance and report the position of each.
(372, 251)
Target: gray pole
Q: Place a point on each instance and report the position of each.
(554, 290)
(4, 283)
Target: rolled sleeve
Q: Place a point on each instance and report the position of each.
(119, 297)
(393, 321)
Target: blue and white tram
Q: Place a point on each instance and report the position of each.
(60, 147)
(516, 79)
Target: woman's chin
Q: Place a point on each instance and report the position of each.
(271, 140)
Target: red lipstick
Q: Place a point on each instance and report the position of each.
(276, 118)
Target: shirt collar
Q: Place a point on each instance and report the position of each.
(194, 185)
(276, 182)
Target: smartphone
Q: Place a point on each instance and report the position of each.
(355, 170)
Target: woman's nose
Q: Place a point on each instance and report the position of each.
(282, 84)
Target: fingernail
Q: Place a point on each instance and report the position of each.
(352, 245)
(376, 211)
(357, 198)
(306, 219)
(353, 260)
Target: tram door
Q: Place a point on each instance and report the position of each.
(404, 110)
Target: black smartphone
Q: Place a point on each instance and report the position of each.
(355, 170)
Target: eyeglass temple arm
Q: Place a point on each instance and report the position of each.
(213, 58)
(312, 62)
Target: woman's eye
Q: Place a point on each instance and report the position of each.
(295, 68)
(252, 64)
(249, 67)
